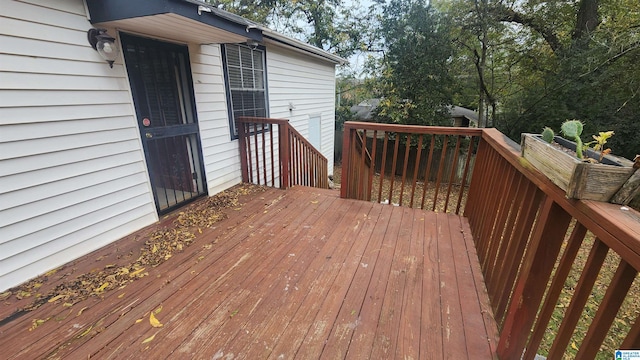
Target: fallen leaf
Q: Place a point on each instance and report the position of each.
(149, 339)
(139, 321)
(154, 249)
(86, 331)
(136, 272)
(121, 296)
(200, 230)
(67, 304)
(573, 346)
(81, 310)
(314, 201)
(5, 295)
(55, 298)
(157, 311)
(102, 287)
(154, 322)
(51, 272)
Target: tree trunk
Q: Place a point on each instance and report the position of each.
(587, 20)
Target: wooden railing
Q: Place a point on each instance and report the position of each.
(273, 153)
(560, 274)
(412, 163)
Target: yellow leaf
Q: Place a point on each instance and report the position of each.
(149, 339)
(55, 298)
(155, 249)
(573, 346)
(102, 287)
(200, 230)
(121, 296)
(86, 331)
(139, 321)
(51, 272)
(154, 322)
(157, 311)
(136, 272)
(81, 310)
(67, 304)
(314, 202)
(166, 257)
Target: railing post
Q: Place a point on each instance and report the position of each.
(346, 154)
(243, 151)
(283, 148)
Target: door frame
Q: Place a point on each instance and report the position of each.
(192, 129)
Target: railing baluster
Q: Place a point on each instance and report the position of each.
(427, 173)
(404, 166)
(383, 170)
(416, 169)
(393, 166)
(249, 158)
(273, 174)
(568, 257)
(440, 170)
(613, 298)
(463, 183)
(264, 155)
(372, 167)
(454, 170)
(244, 153)
(542, 253)
(361, 172)
(526, 219)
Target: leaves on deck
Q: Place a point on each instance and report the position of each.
(158, 247)
(154, 321)
(149, 339)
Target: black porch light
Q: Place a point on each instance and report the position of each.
(104, 44)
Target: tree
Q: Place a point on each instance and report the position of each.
(416, 84)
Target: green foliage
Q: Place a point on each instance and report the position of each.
(572, 129)
(548, 134)
(416, 84)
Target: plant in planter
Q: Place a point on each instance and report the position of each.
(582, 172)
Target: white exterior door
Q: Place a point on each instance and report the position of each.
(315, 131)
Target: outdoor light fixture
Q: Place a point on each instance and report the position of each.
(253, 44)
(104, 44)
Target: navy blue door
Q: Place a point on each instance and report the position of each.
(160, 78)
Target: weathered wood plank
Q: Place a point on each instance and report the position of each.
(349, 317)
(296, 273)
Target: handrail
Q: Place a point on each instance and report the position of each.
(529, 237)
(292, 160)
(520, 220)
(375, 147)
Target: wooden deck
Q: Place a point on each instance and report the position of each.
(298, 273)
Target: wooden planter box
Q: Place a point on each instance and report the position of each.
(580, 180)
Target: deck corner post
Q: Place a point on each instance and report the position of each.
(346, 154)
(243, 150)
(283, 134)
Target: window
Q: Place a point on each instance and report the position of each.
(245, 74)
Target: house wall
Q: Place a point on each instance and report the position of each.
(309, 85)
(72, 173)
(73, 177)
(221, 154)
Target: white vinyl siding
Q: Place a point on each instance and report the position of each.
(309, 86)
(221, 155)
(72, 173)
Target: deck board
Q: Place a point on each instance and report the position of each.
(295, 274)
